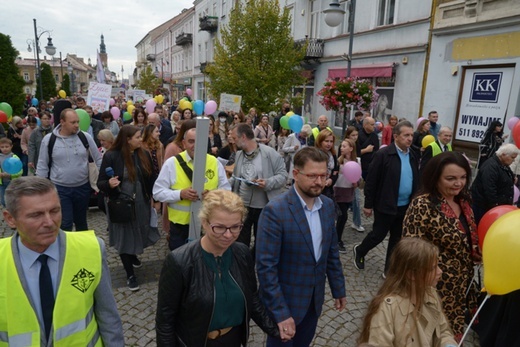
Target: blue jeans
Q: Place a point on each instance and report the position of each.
(74, 206)
(25, 161)
(356, 209)
(3, 187)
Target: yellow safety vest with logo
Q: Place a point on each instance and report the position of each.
(316, 131)
(179, 212)
(74, 322)
(436, 149)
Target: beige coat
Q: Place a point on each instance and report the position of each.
(393, 325)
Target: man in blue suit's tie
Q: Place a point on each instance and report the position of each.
(297, 248)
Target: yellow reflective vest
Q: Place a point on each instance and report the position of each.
(179, 212)
(316, 131)
(74, 322)
(436, 150)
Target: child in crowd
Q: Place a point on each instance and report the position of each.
(6, 146)
(344, 190)
(407, 311)
(352, 134)
(280, 140)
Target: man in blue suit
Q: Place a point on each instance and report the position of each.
(297, 247)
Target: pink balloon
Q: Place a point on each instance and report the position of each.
(150, 105)
(211, 107)
(419, 122)
(382, 146)
(512, 122)
(516, 194)
(189, 92)
(112, 102)
(352, 171)
(115, 112)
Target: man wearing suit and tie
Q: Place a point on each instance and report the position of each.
(297, 248)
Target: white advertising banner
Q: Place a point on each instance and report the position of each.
(230, 102)
(485, 96)
(98, 97)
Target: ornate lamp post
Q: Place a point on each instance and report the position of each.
(72, 76)
(50, 49)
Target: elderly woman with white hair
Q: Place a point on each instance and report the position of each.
(293, 144)
(494, 183)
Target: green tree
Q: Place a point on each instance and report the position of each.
(65, 85)
(256, 57)
(48, 83)
(11, 86)
(148, 81)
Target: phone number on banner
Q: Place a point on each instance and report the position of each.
(476, 134)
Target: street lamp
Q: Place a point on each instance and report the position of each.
(50, 49)
(333, 17)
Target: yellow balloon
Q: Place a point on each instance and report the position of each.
(62, 94)
(500, 255)
(427, 140)
(130, 108)
(160, 99)
(129, 103)
(185, 104)
(290, 113)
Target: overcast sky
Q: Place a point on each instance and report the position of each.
(77, 26)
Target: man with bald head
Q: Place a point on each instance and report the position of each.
(367, 144)
(323, 123)
(166, 132)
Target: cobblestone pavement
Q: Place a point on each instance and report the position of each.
(137, 309)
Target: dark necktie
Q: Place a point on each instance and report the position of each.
(46, 293)
(445, 148)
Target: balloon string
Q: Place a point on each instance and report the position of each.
(473, 319)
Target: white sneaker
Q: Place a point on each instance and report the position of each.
(358, 228)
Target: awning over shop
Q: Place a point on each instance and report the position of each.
(374, 70)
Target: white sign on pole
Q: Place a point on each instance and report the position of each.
(139, 95)
(230, 102)
(485, 96)
(98, 97)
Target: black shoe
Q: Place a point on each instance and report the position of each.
(137, 263)
(132, 283)
(341, 247)
(359, 262)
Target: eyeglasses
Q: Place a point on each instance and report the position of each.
(314, 177)
(221, 229)
(236, 118)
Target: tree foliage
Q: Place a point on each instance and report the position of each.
(65, 85)
(148, 81)
(48, 83)
(11, 86)
(256, 57)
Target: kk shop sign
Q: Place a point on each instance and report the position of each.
(484, 98)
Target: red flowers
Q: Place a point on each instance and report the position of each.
(338, 93)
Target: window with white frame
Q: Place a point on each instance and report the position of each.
(345, 22)
(290, 8)
(199, 51)
(201, 91)
(314, 27)
(57, 78)
(27, 90)
(386, 12)
(223, 8)
(26, 76)
(214, 12)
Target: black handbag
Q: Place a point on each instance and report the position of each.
(122, 209)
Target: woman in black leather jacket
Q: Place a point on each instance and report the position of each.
(207, 289)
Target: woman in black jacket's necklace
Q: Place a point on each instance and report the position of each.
(207, 288)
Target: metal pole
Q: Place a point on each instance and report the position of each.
(38, 59)
(199, 174)
(61, 68)
(351, 16)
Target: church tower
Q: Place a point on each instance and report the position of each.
(103, 52)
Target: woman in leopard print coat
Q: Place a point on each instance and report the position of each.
(442, 215)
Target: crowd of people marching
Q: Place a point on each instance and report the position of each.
(276, 203)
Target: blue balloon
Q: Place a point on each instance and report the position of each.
(295, 123)
(12, 165)
(34, 102)
(38, 121)
(198, 107)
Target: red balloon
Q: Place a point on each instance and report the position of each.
(3, 117)
(516, 134)
(489, 218)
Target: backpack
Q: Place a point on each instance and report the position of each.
(52, 141)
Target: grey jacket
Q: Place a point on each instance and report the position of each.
(273, 171)
(35, 141)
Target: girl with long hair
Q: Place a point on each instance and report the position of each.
(325, 141)
(153, 145)
(132, 175)
(140, 119)
(352, 133)
(422, 130)
(344, 190)
(407, 311)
